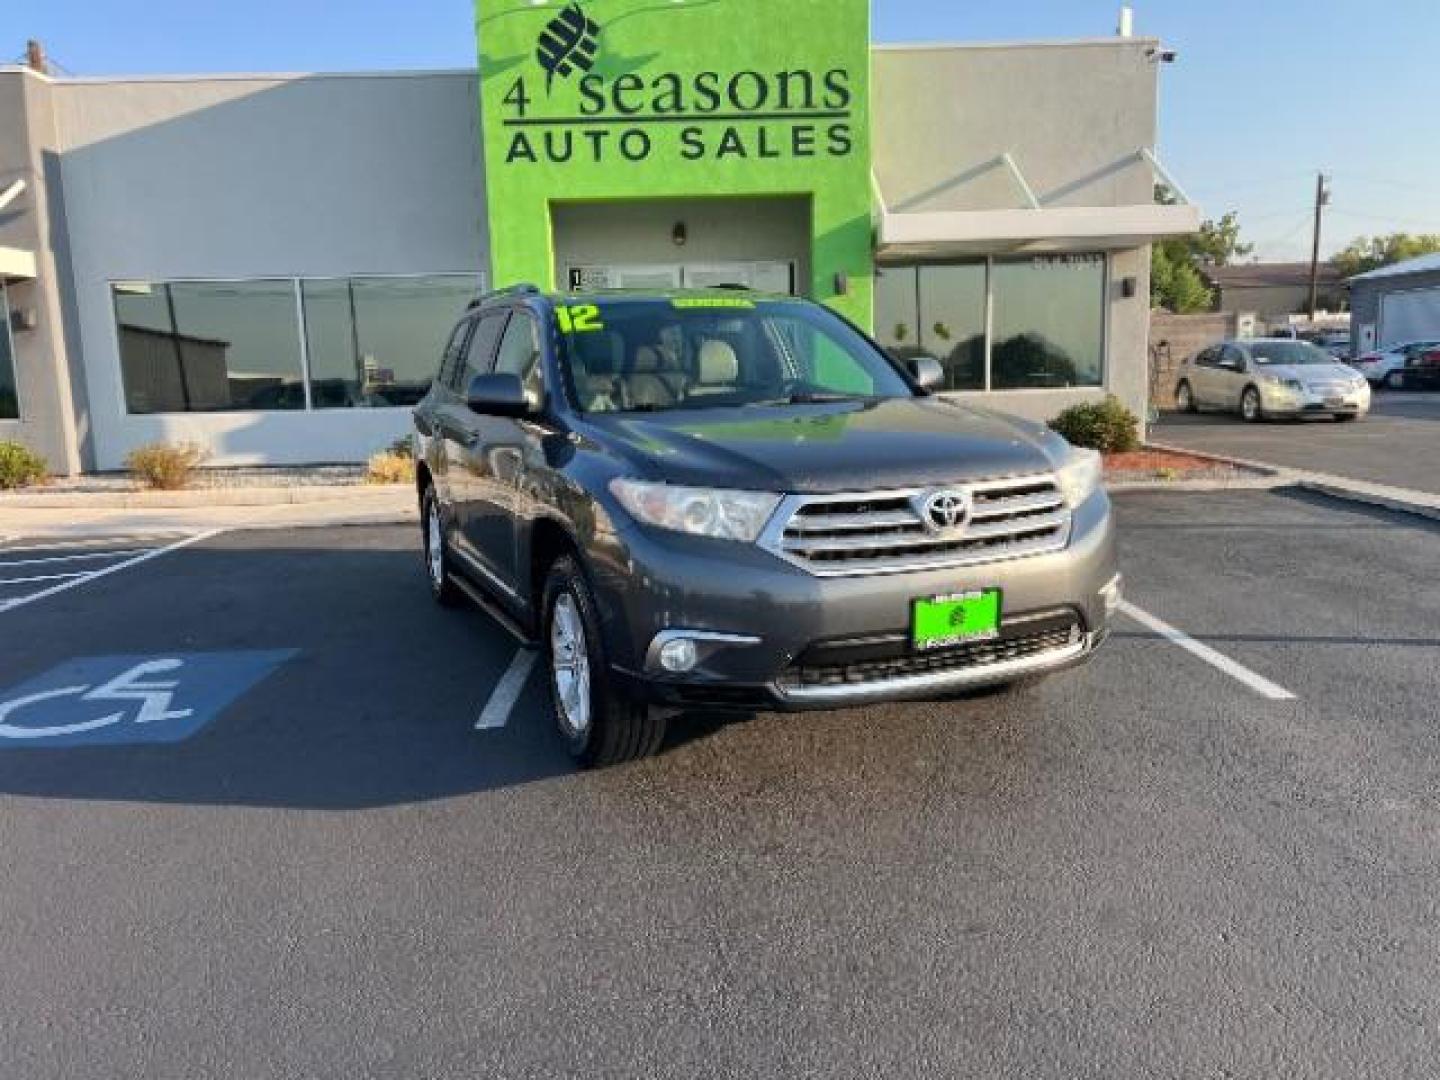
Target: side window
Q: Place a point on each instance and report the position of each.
(1235, 358)
(520, 354)
(454, 350)
(481, 353)
(1206, 357)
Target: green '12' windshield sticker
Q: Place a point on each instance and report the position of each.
(579, 318)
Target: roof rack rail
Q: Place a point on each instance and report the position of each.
(525, 288)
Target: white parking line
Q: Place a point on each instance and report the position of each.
(496, 713)
(1239, 672)
(41, 577)
(152, 553)
(73, 558)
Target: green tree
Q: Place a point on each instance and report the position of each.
(1176, 283)
(1366, 253)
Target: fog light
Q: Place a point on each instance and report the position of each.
(678, 655)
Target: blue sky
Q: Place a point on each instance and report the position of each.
(1265, 92)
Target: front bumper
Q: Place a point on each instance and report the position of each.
(1283, 401)
(830, 642)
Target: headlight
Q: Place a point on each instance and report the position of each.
(1080, 475)
(729, 515)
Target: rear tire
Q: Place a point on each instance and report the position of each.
(1250, 408)
(437, 554)
(1185, 398)
(600, 726)
(1346, 417)
(1394, 380)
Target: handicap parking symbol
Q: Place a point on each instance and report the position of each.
(115, 700)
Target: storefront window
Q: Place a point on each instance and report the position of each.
(214, 346)
(897, 311)
(374, 342)
(1049, 322)
(211, 346)
(952, 322)
(9, 393)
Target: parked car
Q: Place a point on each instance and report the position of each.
(1423, 372)
(1386, 367)
(732, 500)
(1334, 342)
(1271, 377)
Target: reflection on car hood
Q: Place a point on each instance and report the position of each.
(1310, 374)
(839, 446)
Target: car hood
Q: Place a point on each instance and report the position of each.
(1311, 374)
(840, 446)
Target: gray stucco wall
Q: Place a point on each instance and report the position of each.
(1072, 114)
(261, 177)
(34, 222)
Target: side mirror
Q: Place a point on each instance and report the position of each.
(927, 371)
(497, 395)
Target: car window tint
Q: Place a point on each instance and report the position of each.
(454, 350)
(481, 353)
(520, 353)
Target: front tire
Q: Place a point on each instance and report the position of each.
(1185, 398)
(1394, 380)
(437, 556)
(1250, 408)
(599, 725)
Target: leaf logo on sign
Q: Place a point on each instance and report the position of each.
(568, 42)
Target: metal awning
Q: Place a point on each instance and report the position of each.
(1070, 228)
(1033, 226)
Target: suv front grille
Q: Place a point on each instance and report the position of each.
(887, 532)
(1043, 635)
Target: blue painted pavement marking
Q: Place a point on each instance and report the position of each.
(114, 700)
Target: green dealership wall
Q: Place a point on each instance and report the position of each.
(653, 99)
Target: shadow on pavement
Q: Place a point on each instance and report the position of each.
(377, 708)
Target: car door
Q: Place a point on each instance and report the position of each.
(462, 430)
(496, 510)
(1202, 376)
(437, 401)
(1231, 377)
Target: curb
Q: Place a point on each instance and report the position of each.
(1400, 500)
(191, 499)
(1371, 498)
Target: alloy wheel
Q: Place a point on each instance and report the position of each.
(434, 545)
(570, 665)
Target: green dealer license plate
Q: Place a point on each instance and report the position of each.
(956, 619)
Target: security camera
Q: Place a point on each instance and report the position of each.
(1165, 56)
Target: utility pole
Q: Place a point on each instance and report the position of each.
(1322, 199)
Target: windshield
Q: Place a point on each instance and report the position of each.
(624, 354)
(1288, 352)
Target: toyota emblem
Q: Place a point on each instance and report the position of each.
(945, 510)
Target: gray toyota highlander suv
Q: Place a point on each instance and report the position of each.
(724, 499)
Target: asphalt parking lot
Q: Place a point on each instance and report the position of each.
(1397, 444)
(1142, 867)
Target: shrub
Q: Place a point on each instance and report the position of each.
(1107, 426)
(165, 466)
(390, 467)
(404, 447)
(19, 466)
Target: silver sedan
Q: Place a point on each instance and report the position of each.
(1271, 377)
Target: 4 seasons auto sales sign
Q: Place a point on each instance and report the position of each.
(607, 99)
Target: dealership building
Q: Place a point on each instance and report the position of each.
(268, 265)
